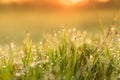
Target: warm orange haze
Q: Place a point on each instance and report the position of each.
(41, 16)
(61, 2)
(59, 39)
(73, 2)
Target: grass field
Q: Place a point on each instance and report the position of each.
(67, 55)
(37, 45)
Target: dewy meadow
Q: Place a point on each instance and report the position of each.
(66, 55)
(65, 40)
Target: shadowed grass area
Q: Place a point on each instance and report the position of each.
(67, 55)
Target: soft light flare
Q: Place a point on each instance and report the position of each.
(103, 1)
(72, 2)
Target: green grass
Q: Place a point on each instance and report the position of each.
(66, 55)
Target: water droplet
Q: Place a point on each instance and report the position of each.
(4, 66)
(111, 49)
(91, 57)
(12, 45)
(48, 46)
(55, 35)
(74, 29)
(41, 43)
(17, 74)
(118, 39)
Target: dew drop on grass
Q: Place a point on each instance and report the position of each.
(51, 63)
(33, 64)
(4, 66)
(35, 58)
(12, 45)
(63, 30)
(91, 57)
(17, 74)
(48, 46)
(111, 49)
(41, 43)
(118, 39)
(74, 29)
(55, 35)
(40, 66)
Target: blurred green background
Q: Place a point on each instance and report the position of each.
(16, 20)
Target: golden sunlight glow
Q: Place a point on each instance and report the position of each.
(9, 1)
(72, 2)
(14, 1)
(75, 1)
(63, 2)
(104, 1)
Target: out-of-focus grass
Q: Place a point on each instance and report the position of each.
(14, 23)
(66, 55)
